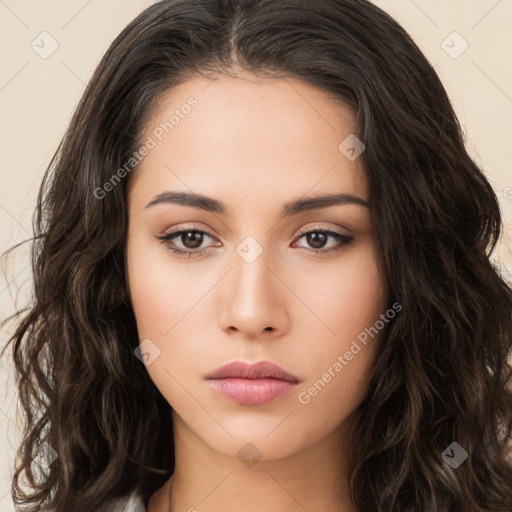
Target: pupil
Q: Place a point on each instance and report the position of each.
(317, 240)
(194, 238)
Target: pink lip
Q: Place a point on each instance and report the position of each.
(252, 384)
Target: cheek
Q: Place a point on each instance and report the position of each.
(166, 300)
(331, 397)
(161, 294)
(349, 305)
(345, 297)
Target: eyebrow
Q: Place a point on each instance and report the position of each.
(212, 205)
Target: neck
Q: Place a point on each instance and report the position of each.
(315, 478)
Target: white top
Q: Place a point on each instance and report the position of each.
(132, 503)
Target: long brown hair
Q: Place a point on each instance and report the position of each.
(442, 375)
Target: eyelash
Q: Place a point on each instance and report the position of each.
(166, 239)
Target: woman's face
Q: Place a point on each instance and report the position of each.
(267, 279)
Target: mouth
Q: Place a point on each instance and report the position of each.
(252, 384)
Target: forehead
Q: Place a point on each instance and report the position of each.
(246, 137)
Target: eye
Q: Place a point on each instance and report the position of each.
(317, 238)
(192, 241)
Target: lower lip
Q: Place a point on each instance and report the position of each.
(252, 391)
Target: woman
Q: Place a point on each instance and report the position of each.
(262, 277)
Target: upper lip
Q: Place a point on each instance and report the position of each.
(259, 370)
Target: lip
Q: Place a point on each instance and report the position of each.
(259, 370)
(252, 384)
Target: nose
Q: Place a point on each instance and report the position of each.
(254, 300)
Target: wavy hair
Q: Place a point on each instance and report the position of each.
(442, 375)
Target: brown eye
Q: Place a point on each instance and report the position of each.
(190, 239)
(317, 240)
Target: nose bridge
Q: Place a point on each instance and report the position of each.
(251, 299)
(252, 277)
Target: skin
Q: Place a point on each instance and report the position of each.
(255, 145)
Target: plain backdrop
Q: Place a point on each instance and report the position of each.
(467, 41)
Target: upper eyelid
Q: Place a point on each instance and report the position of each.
(301, 232)
(186, 230)
(321, 228)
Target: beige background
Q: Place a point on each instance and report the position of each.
(37, 98)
